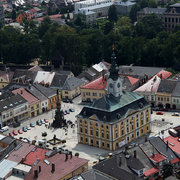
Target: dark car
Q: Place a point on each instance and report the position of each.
(66, 100)
(71, 110)
(38, 122)
(24, 129)
(163, 109)
(32, 124)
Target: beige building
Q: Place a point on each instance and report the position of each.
(94, 90)
(72, 88)
(164, 93)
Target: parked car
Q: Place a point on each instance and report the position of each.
(159, 113)
(66, 100)
(175, 114)
(28, 127)
(163, 109)
(156, 109)
(20, 131)
(42, 121)
(26, 140)
(11, 134)
(5, 128)
(38, 122)
(14, 132)
(24, 129)
(32, 124)
(71, 110)
(46, 121)
(67, 111)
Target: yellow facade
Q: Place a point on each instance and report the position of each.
(92, 94)
(76, 172)
(35, 109)
(163, 99)
(112, 136)
(3, 82)
(52, 101)
(71, 94)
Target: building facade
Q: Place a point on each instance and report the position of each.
(115, 119)
(94, 90)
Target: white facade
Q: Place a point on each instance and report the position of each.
(44, 105)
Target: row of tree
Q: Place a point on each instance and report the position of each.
(146, 43)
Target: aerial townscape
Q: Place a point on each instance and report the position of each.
(89, 89)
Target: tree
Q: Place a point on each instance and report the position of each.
(133, 12)
(13, 14)
(112, 14)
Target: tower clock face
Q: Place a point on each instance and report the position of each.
(118, 85)
(111, 85)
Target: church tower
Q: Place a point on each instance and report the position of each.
(114, 84)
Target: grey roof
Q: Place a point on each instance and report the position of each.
(6, 95)
(62, 72)
(48, 92)
(163, 148)
(11, 102)
(111, 109)
(6, 166)
(176, 91)
(7, 140)
(139, 70)
(91, 175)
(72, 83)
(59, 80)
(175, 5)
(167, 86)
(127, 84)
(35, 92)
(118, 166)
(152, 10)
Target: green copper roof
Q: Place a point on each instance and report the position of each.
(111, 103)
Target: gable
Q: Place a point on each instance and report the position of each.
(93, 117)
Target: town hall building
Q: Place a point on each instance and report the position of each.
(117, 118)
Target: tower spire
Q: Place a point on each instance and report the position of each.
(114, 68)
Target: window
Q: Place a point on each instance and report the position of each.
(97, 133)
(177, 100)
(91, 131)
(80, 121)
(96, 124)
(147, 128)
(158, 98)
(167, 99)
(102, 134)
(107, 127)
(66, 92)
(88, 93)
(108, 145)
(137, 116)
(127, 129)
(116, 144)
(94, 94)
(122, 132)
(91, 141)
(132, 135)
(127, 138)
(137, 133)
(116, 134)
(4, 117)
(142, 131)
(86, 139)
(132, 126)
(97, 143)
(107, 136)
(161, 99)
(81, 138)
(85, 122)
(102, 126)
(147, 119)
(142, 121)
(86, 130)
(81, 130)
(102, 144)
(137, 124)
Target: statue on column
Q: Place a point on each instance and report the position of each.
(59, 120)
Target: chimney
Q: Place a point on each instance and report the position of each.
(36, 173)
(167, 143)
(161, 75)
(66, 157)
(39, 169)
(53, 167)
(21, 91)
(135, 154)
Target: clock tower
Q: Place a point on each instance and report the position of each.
(114, 84)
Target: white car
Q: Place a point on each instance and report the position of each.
(42, 121)
(28, 127)
(175, 114)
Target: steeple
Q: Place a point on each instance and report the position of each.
(114, 68)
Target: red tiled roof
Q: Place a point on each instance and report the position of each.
(157, 158)
(62, 167)
(175, 160)
(38, 153)
(99, 83)
(151, 171)
(173, 143)
(133, 80)
(165, 74)
(26, 95)
(20, 153)
(51, 17)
